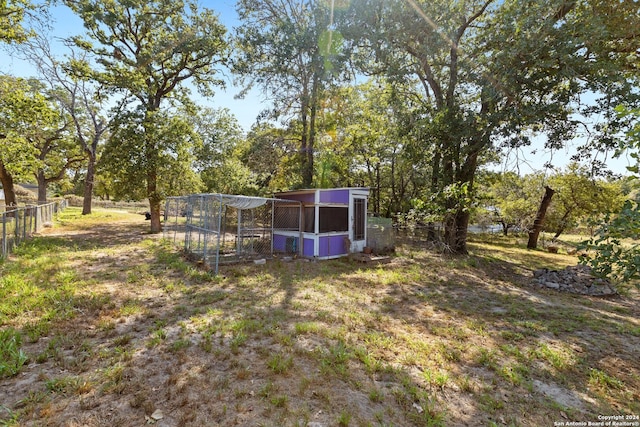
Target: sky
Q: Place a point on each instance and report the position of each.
(66, 24)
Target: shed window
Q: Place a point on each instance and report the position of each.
(333, 219)
(309, 219)
(360, 213)
(287, 218)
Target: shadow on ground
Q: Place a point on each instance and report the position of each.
(147, 337)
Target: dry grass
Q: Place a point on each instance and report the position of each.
(425, 340)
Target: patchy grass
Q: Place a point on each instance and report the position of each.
(12, 358)
(101, 323)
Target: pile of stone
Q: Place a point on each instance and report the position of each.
(574, 279)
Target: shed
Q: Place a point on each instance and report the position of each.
(333, 222)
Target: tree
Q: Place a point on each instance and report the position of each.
(37, 143)
(514, 200)
(538, 223)
(488, 73)
(287, 47)
(217, 154)
(12, 14)
(408, 45)
(23, 112)
(271, 153)
(614, 251)
(579, 196)
(56, 147)
(147, 51)
(11, 31)
(373, 146)
(105, 184)
(510, 198)
(79, 98)
(128, 158)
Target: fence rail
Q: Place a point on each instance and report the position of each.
(17, 224)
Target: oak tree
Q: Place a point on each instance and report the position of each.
(614, 250)
(12, 15)
(288, 49)
(147, 52)
(79, 97)
(490, 73)
(23, 110)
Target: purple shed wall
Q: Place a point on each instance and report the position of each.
(300, 197)
(332, 245)
(307, 250)
(279, 243)
(328, 246)
(334, 196)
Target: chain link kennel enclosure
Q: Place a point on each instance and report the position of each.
(219, 228)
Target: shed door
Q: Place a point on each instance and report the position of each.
(359, 239)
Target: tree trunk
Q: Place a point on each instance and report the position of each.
(455, 232)
(539, 221)
(563, 224)
(377, 190)
(7, 185)
(88, 185)
(307, 173)
(462, 228)
(394, 204)
(152, 159)
(505, 228)
(466, 175)
(304, 144)
(154, 210)
(435, 178)
(42, 187)
(559, 231)
(154, 200)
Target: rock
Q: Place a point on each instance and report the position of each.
(540, 273)
(573, 279)
(552, 285)
(155, 417)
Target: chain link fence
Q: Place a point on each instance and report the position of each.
(20, 223)
(219, 229)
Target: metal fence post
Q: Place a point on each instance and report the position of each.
(25, 221)
(165, 227)
(4, 234)
(219, 231)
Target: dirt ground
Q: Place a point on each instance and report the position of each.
(155, 340)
